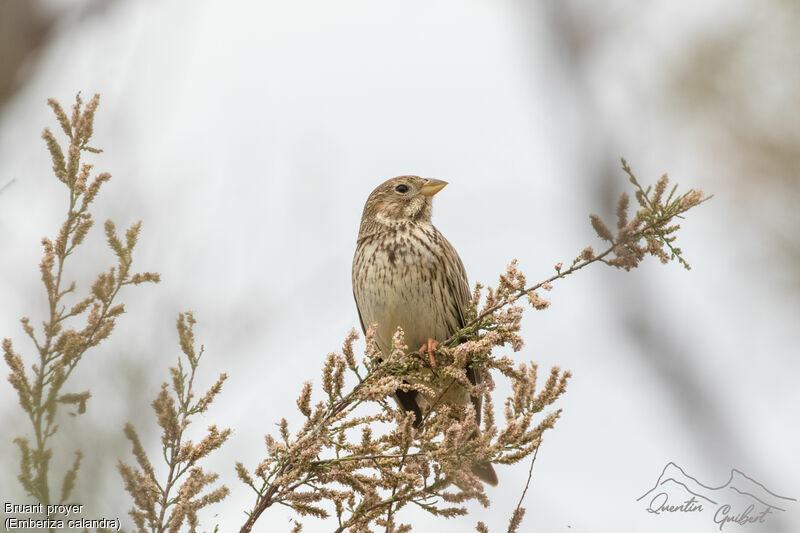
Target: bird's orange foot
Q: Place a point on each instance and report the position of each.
(430, 348)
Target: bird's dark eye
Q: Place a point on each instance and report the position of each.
(402, 188)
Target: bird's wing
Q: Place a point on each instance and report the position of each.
(456, 281)
(459, 288)
(360, 319)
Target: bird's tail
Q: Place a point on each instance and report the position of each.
(483, 469)
(485, 472)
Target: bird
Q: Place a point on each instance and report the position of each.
(407, 274)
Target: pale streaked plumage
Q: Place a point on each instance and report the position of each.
(405, 273)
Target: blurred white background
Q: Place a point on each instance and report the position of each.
(248, 135)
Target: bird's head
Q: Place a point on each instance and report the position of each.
(401, 199)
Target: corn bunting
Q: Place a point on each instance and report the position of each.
(406, 274)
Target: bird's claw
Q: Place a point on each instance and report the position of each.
(430, 348)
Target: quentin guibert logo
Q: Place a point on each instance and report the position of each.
(742, 500)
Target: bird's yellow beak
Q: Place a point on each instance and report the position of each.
(431, 187)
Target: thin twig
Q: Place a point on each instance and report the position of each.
(365, 458)
(522, 292)
(530, 474)
(519, 512)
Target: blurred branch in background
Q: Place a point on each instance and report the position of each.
(7, 185)
(739, 88)
(26, 28)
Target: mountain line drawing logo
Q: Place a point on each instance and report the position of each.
(741, 500)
